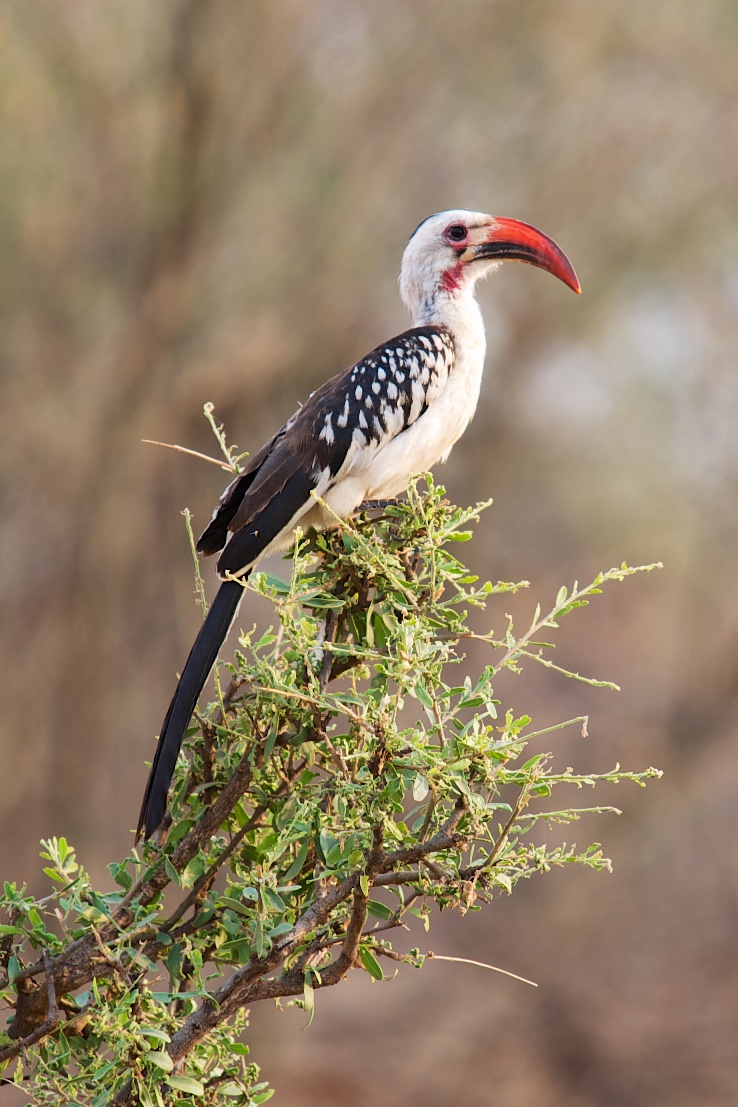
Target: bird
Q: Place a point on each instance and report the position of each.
(361, 436)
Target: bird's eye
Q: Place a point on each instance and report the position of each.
(456, 232)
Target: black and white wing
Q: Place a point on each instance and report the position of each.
(351, 417)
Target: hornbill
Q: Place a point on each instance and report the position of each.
(360, 436)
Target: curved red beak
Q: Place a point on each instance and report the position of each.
(511, 240)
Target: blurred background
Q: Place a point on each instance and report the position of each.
(208, 202)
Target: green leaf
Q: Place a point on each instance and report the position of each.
(324, 843)
(297, 865)
(272, 899)
(194, 870)
(102, 1072)
(156, 1033)
(280, 929)
(143, 1095)
(171, 871)
(280, 586)
(421, 788)
(120, 876)
(323, 602)
(161, 1059)
(186, 1084)
(271, 739)
(235, 905)
(379, 910)
(262, 941)
(422, 696)
(54, 875)
(370, 963)
(173, 962)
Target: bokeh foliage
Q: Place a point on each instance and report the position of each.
(210, 201)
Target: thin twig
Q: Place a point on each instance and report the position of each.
(192, 453)
(481, 965)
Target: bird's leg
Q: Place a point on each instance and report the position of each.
(377, 505)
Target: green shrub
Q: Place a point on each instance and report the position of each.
(347, 778)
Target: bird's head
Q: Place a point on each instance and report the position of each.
(450, 251)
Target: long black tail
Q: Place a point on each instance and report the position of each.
(201, 660)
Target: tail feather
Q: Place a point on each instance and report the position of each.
(201, 660)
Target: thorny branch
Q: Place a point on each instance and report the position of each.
(47, 1026)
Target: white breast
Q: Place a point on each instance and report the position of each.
(384, 469)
